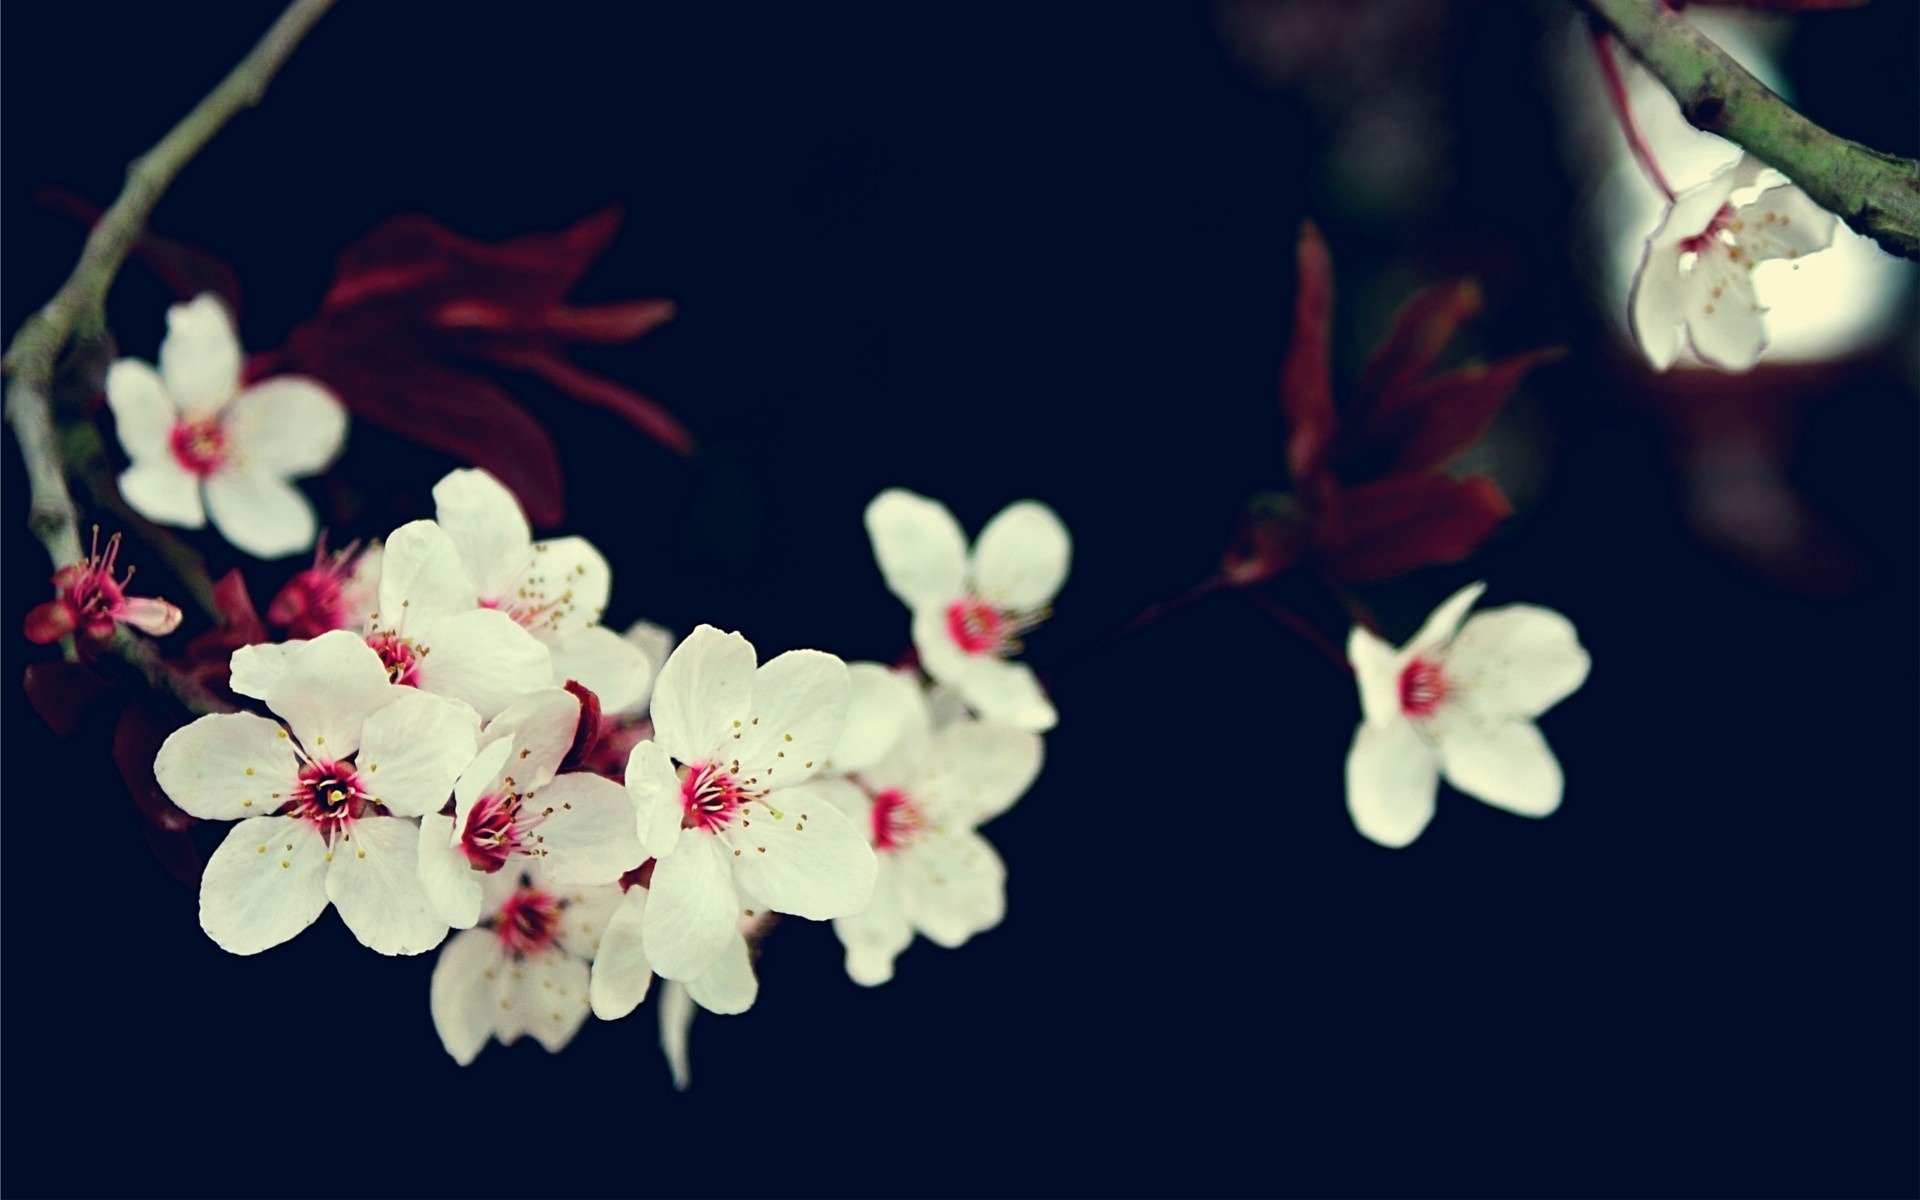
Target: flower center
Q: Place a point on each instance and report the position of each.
(1422, 687)
(400, 657)
(979, 628)
(199, 446)
(327, 794)
(499, 828)
(1700, 242)
(709, 796)
(529, 921)
(896, 820)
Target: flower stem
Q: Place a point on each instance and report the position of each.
(1623, 109)
(1147, 616)
(1303, 628)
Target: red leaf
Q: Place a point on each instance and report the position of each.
(1306, 380)
(63, 693)
(136, 742)
(1272, 536)
(414, 253)
(1389, 528)
(637, 410)
(587, 732)
(607, 324)
(1445, 415)
(1421, 331)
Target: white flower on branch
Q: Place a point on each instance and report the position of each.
(1459, 701)
(203, 447)
(921, 800)
(1696, 275)
(524, 971)
(971, 606)
(739, 813)
(324, 802)
(513, 809)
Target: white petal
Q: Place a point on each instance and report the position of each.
(265, 883)
(1503, 762)
(588, 834)
(160, 489)
(421, 578)
(919, 546)
(952, 885)
(487, 527)
(584, 916)
(565, 587)
(729, 985)
(1723, 312)
(799, 709)
(883, 705)
(676, 1020)
(878, 933)
(621, 972)
(452, 885)
(975, 770)
(539, 727)
(200, 356)
(1391, 781)
(703, 694)
(375, 883)
(1376, 671)
(1442, 625)
(606, 664)
(484, 776)
(227, 766)
(482, 657)
(412, 750)
(1021, 558)
(547, 995)
(692, 910)
(143, 413)
(255, 670)
(1006, 692)
(800, 854)
(260, 513)
(1783, 222)
(1519, 660)
(657, 804)
(466, 991)
(1654, 305)
(326, 690)
(288, 426)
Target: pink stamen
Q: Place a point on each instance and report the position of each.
(500, 828)
(328, 794)
(979, 628)
(896, 820)
(529, 922)
(399, 656)
(1700, 242)
(199, 446)
(709, 796)
(313, 602)
(1422, 688)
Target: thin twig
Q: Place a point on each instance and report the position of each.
(1302, 628)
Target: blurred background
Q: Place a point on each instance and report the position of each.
(991, 253)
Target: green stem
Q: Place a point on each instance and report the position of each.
(1878, 194)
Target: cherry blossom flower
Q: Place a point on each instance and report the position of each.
(557, 588)
(739, 814)
(920, 802)
(1696, 275)
(623, 972)
(204, 447)
(431, 631)
(341, 590)
(524, 969)
(1459, 700)
(324, 798)
(970, 607)
(92, 602)
(512, 809)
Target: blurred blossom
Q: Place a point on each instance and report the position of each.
(339, 591)
(205, 447)
(92, 602)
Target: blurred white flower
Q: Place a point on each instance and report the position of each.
(676, 1022)
(970, 607)
(524, 971)
(623, 972)
(740, 815)
(1459, 700)
(322, 802)
(512, 809)
(1696, 274)
(204, 447)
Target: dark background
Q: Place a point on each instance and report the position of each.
(993, 253)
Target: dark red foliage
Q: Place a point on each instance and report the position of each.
(415, 308)
(587, 733)
(63, 693)
(1369, 497)
(206, 656)
(136, 743)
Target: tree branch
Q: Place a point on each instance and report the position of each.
(1878, 194)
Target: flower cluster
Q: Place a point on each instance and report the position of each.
(456, 746)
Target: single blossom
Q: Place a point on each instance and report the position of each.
(523, 970)
(431, 630)
(970, 607)
(622, 973)
(738, 813)
(324, 798)
(341, 590)
(91, 602)
(557, 588)
(1696, 275)
(920, 802)
(202, 446)
(512, 809)
(1459, 700)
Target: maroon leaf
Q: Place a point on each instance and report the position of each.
(635, 409)
(63, 693)
(587, 732)
(136, 742)
(1394, 526)
(207, 656)
(1272, 537)
(1306, 379)
(1445, 415)
(1421, 331)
